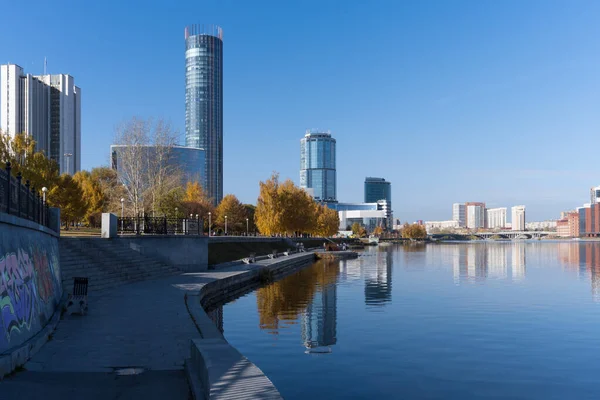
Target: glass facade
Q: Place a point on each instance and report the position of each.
(377, 189)
(317, 165)
(187, 161)
(204, 102)
(353, 206)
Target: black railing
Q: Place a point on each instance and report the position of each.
(20, 199)
(160, 225)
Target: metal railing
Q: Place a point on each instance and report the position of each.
(20, 199)
(146, 225)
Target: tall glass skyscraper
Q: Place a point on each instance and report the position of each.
(204, 101)
(317, 165)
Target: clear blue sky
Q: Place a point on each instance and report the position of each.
(449, 100)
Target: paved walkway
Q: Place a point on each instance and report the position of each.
(141, 325)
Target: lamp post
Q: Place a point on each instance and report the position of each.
(122, 212)
(176, 213)
(44, 190)
(209, 223)
(226, 225)
(246, 226)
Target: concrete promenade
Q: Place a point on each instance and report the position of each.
(143, 325)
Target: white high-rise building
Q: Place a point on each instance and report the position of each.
(496, 218)
(595, 195)
(518, 218)
(46, 108)
(475, 216)
(459, 214)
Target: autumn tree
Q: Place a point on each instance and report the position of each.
(33, 165)
(68, 196)
(358, 230)
(92, 195)
(377, 231)
(235, 212)
(414, 231)
(296, 209)
(195, 201)
(327, 221)
(267, 216)
(110, 186)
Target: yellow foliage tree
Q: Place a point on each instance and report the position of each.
(92, 195)
(377, 231)
(267, 216)
(327, 219)
(235, 212)
(68, 196)
(195, 201)
(414, 231)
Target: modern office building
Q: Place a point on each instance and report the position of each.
(459, 214)
(475, 215)
(595, 195)
(317, 165)
(496, 218)
(518, 218)
(187, 161)
(46, 108)
(204, 101)
(380, 190)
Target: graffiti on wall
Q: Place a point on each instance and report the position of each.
(29, 286)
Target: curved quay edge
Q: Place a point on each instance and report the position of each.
(216, 370)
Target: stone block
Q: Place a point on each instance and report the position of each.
(109, 225)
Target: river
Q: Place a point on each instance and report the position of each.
(494, 320)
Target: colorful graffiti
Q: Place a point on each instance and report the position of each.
(29, 288)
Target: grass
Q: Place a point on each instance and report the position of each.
(84, 231)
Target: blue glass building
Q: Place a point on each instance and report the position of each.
(187, 161)
(317, 165)
(204, 101)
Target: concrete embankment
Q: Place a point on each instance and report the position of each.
(216, 370)
(30, 289)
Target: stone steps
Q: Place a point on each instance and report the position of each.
(106, 263)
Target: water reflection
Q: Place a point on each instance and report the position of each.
(378, 280)
(583, 257)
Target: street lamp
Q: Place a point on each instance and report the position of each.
(209, 223)
(246, 226)
(226, 225)
(44, 190)
(176, 213)
(122, 212)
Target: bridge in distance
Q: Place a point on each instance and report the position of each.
(496, 235)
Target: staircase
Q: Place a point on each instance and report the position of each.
(106, 263)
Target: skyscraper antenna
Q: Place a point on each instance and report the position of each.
(45, 65)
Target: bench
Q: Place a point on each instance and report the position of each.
(250, 260)
(77, 302)
(273, 254)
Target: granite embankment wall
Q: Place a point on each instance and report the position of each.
(188, 253)
(216, 370)
(30, 288)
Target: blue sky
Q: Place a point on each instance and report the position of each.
(451, 101)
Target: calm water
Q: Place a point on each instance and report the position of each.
(516, 320)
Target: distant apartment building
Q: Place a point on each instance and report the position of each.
(433, 226)
(568, 226)
(475, 215)
(459, 214)
(369, 215)
(548, 225)
(496, 218)
(518, 218)
(46, 108)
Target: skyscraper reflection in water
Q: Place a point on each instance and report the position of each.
(479, 261)
(583, 257)
(320, 319)
(378, 281)
(518, 261)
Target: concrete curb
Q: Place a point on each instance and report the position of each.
(216, 369)
(18, 356)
